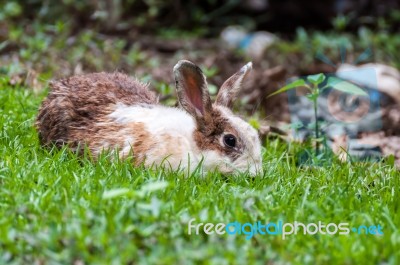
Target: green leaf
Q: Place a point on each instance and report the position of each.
(316, 79)
(254, 123)
(312, 97)
(3, 44)
(294, 84)
(348, 87)
(154, 186)
(212, 89)
(332, 80)
(109, 194)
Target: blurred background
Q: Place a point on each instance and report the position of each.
(43, 40)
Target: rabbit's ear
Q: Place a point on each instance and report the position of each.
(230, 88)
(192, 90)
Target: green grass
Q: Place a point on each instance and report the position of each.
(56, 208)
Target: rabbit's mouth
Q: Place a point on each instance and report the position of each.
(252, 169)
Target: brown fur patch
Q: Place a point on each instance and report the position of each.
(75, 110)
(173, 144)
(208, 137)
(142, 142)
(105, 134)
(108, 135)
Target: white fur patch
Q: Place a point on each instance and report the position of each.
(171, 129)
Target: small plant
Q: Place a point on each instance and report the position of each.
(315, 85)
(341, 22)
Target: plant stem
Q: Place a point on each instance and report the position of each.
(316, 126)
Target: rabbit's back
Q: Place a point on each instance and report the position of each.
(77, 105)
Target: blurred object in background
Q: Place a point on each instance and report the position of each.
(253, 44)
(256, 5)
(387, 78)
(358, 124)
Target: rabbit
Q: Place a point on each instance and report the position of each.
(111, 111)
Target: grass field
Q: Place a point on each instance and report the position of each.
(56, 208)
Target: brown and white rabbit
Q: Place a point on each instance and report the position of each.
(108, 111)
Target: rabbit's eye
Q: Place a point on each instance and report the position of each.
(230, 140)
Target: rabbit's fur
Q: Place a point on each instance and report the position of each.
(108, 111)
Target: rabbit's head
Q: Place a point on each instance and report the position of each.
(226, 142)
